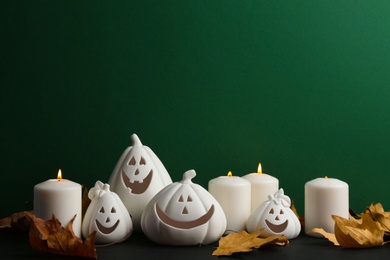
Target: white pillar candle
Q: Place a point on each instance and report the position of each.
(262, 185)
(60, 197)
(325, 197)
(234, 195)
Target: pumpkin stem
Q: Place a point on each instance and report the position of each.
(188, 175)
(136, 141)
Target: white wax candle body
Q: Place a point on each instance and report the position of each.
(62, 198)
(234, 195)
(325, 197)
(262, 185)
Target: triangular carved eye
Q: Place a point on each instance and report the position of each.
(132, 161)
(281, 212)
(113, 210)
(181, 198)
(271, 211)
(101, 210)
(189, 199)
(142, 161)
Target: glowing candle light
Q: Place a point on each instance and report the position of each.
(59, 174)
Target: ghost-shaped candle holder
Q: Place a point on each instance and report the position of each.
(183, 214)
(137, 177)
(107, 215)
(275, 217)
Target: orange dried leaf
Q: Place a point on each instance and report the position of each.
(272, 240)
(20, 221)
(378, 214)
(244, 242)
(50, 236)
(331, 237)
(358, 233)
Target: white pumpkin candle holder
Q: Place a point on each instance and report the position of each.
(275, 217)
(107, 215)
(183, 214)
(137, 177)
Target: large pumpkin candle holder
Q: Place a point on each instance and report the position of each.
(137, 177)
(107, 215)
(275, 217)
(183, 214)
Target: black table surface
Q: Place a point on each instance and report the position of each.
(15, 245)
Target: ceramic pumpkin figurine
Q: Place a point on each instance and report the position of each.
(183, 214)
(106, 215)
(275, 217)
(137, 177)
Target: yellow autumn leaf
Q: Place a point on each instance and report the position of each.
(378, 214)
(330, 236)
(244, 242)
(358, 233)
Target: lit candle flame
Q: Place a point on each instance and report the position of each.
(326, 177)
(229, 173)
(259, 169)
(59, 175)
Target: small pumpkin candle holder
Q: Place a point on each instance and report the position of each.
(275, 217)
(107, 215)
(137, 177)
(183, 214)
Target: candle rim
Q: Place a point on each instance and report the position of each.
(63, 184)
(238, 181)
(263, 176)
(326, 183)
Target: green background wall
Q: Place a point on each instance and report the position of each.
(300, 86)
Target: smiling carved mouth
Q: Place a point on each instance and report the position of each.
(106, 230)
(277, 228)
(184, 224)
(137, 187)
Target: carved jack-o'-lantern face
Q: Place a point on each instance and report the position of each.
(106, 215)
(185, 209)
(276, 220)
(183, 213)
(275, 217)
(105, 220)
(137, 174)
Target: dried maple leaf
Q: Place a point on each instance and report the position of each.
(358, 233)
(377, 213)
(244, 242)
(19, 221)
(330, 236)
(50, 236)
